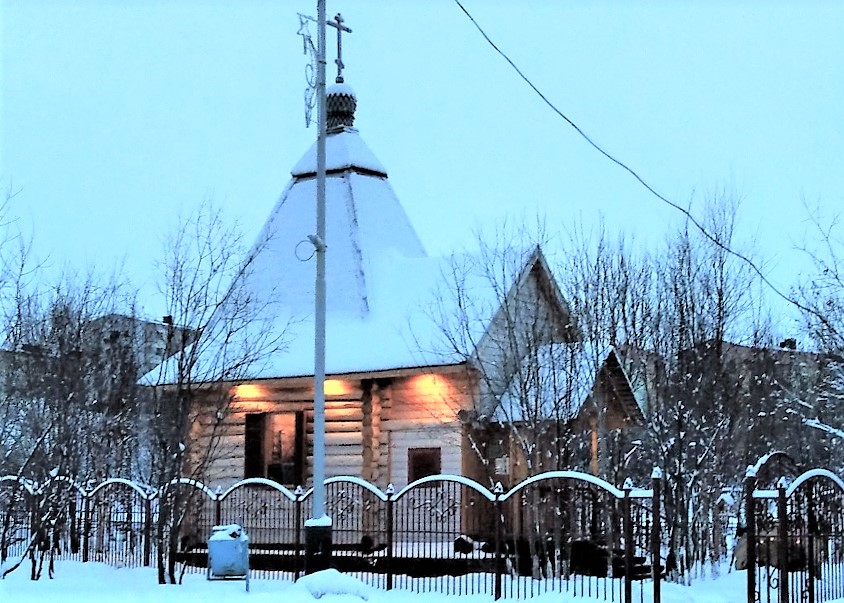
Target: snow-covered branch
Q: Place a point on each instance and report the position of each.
(817, 424)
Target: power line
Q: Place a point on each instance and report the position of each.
(635, 175)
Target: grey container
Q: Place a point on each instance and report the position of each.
(228, 553)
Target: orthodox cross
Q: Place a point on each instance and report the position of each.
(337, 23)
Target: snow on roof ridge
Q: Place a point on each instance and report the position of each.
(343, 150)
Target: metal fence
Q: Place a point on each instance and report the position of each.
(558, 531)
(793, 548)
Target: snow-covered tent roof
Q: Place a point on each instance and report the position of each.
(383, 291)
(365, 223)
(376, 267)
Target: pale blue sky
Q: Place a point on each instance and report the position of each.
(116, 114)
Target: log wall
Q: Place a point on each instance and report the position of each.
(369, 427)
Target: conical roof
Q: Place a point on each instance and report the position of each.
(364, 224)
(368, 235)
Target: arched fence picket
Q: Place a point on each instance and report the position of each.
(439, 526)
(271, 515)
(556, 531)
(114, 524)
(793, 547)
(16, 505)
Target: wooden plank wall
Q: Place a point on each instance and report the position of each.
(424, 415)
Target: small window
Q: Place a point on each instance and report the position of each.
(422, 462)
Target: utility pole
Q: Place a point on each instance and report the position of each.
(318, 534)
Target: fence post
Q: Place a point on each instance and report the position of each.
(86, 526)
(628, 542)
(656, 538)
(812, 530)
(35, 530)
(74, 528)
(812, 572)
(297, 539)
(750, 532)
(34, 523)
(147, 531)
(782, 538)
(390, 492)
(499, 523)
(218, 511)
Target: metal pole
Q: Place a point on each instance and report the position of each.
(147, 532)
(782, 539)
(499, 538)
(750, 532)
(628, 542)
(656, 540)
(86, 526)
(297, 538)
(318, 529)
(390, 537)
(319, 305)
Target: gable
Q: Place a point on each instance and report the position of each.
(531, 316)
(560, 382)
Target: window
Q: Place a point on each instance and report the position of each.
(255, 460)
(422, 462)
(275, 447)
(498, 457)
(287, 449)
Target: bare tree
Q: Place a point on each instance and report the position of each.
(611, 289)
(822, 294)
(70, 384)
(220, 334)
(821, 298)
(710, 301)
(500, 312)
(672, 313)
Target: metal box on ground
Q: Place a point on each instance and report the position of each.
(228, 553)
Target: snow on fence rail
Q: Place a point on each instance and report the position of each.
(559, 530)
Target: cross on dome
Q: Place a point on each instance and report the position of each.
(337, 23)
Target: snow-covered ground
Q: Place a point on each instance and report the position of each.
(96, 583)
